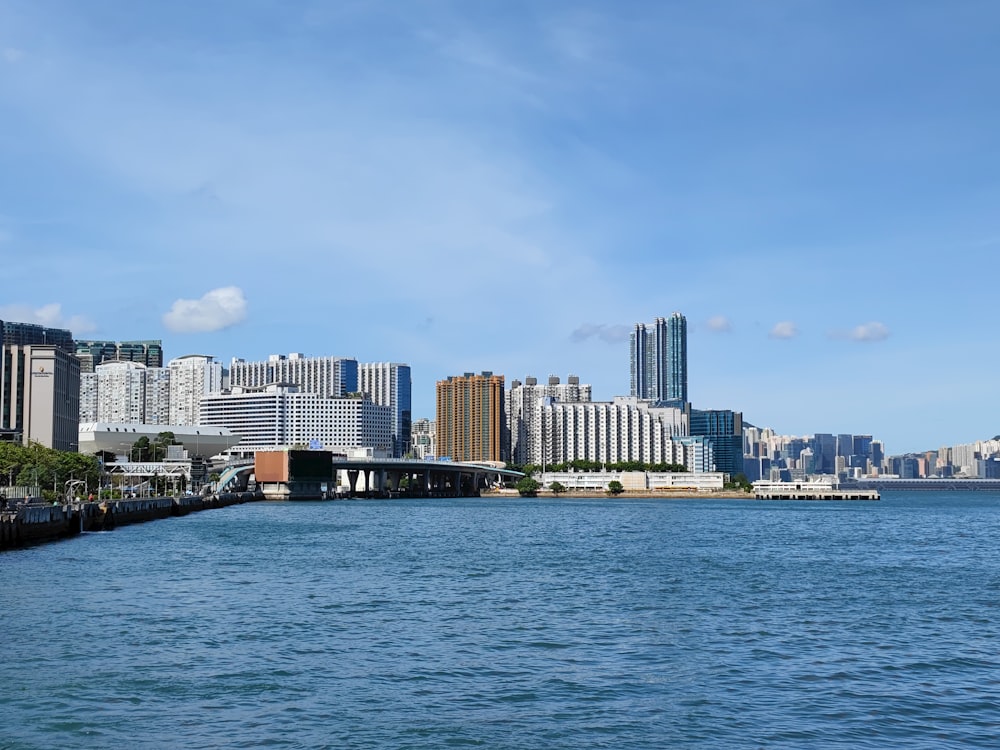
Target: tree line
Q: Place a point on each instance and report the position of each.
(34, 465)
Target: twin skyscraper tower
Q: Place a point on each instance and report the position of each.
(658, 355)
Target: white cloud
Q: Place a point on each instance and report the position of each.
(50, 316)
(218, 309)
(784, 330)
(873, 331)
(611, 334)
(720, 324)
(12, 55)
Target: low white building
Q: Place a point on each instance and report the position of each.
(643, 481)
(119, 437)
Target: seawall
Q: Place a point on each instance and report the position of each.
(33, 524)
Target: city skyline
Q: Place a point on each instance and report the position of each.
(809, 185)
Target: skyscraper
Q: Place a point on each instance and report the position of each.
(470, 418)
(658, 360)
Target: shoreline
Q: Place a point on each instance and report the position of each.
(633, 494)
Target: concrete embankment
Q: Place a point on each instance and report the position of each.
(32, 524)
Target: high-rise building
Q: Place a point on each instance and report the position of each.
(192, 377)
(24, 334)
(121, 392)
(658, 360)
(470, 419)
(40, 395)
(523, 408)
(724, 429)
(324, 376)
(93, 353)
(389, 384)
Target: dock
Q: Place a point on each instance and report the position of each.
(811, 491)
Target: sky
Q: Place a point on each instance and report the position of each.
(511, 186)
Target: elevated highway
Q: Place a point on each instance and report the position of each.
(400, 477)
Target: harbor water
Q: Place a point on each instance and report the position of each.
(513, 623)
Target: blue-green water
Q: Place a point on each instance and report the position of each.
(513, 624)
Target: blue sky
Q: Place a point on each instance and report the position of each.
(511, 186)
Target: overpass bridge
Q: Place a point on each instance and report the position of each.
(401, 477)
(376, 477)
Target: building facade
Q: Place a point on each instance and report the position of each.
(724, 429)
(282, 416)
(40, 395)
(470, 417)
(523, 409)
(94, 353)
(24, 334)
(389, 384)
(625, 429)
(658, 360)
(324, 376)
(191, 379)
(423, 439)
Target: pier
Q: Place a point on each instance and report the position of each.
(811, 491)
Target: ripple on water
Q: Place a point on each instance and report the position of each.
(515, 624)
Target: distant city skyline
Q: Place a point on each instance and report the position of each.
(469, 187)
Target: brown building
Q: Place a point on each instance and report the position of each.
(470, 418)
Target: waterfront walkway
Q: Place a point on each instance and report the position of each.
(34, 523)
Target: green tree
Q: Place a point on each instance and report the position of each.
(528, 487)
(739, 482)
(615, 487)
(557, 488)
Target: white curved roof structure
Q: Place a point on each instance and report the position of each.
(199, 440)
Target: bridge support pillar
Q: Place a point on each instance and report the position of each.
(352, 479)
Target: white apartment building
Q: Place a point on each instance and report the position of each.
(121, 392)
(423, 441)
(523, 408)
(192, 377)
(124, 392)
(626, 429)
(389, 384)
(157, 410)
(282, 416)
(324, 376)
(88, 397)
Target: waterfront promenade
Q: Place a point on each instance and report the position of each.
(35, 523)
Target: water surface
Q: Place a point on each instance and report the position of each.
(513, 623)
